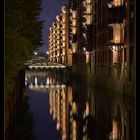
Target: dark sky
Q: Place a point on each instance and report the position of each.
(50, 9)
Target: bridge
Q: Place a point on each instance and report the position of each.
(41, 63)
(46, 65)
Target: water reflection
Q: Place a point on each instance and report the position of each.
(25, 122)
(45, 127)
(82, 112)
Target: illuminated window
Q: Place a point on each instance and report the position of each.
(118, 33)
(73, 30)
(89, 9)
(74, 22)
(74, 14)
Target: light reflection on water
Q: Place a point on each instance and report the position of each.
(77, 112)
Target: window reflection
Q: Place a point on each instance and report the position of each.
(83, 112)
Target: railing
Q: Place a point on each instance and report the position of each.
(45, 65)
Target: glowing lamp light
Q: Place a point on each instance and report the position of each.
(35, 53)
(58, 126)
(73, 30)
(74, 14)
(109, 5)
(50, 111)
(64, 137)
(87, 108)
(89, 1)
(58, 17)
(114, 47)
(84, 49)
(74, 108)
(47, 52)
(89, 9)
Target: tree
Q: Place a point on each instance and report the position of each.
(22, 35)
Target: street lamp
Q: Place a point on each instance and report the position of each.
(35, 53)
(35, 56)
(84, 49)
(47, 52)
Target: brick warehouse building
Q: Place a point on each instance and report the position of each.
(98, 33)
(97, 38)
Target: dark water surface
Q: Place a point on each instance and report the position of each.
(45, 127)
(77, 112)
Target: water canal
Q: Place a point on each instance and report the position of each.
(63, 109)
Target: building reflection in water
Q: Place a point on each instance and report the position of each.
(84, 112)
(64, 110)
(57, 101)
(89, 115)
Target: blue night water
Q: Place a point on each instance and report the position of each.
(44, 125)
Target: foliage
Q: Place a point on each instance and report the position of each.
(22, 36)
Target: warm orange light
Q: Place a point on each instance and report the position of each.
(54, 116)
(117, 2)
(89, 19)
(64, 38)
(115, 55)
(117, 34)
(89, 9)
(74, 14)
(63, 18)
(58, 126)
(63, 26)
(63, 32)
(74, 107)
(73, 30)
(50, 111)
(87, 58)
(73, 22)
(74, 47)
(87, 109)
(70, 94)
(115, 130)
(58, 42)
(89, 1)
(74, 132)
(64, 136)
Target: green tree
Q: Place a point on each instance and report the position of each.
(22, 37)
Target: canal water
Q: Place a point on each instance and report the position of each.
(63, 110)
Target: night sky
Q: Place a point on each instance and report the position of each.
(51, 8)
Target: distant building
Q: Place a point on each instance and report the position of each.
(58, 38)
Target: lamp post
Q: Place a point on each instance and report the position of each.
(35, 55)
(47, 54)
